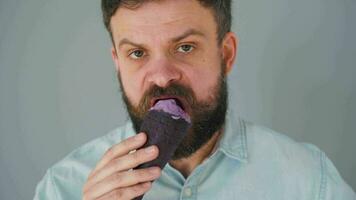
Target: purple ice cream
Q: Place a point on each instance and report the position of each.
(166, 124)
(170, 106)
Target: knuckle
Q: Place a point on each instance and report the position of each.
(86, 188)
(128, 142)
(91, 175)
(141, 173)
(143, 187)
(137, 157)
(117, 177)
(137, 189)
(110, 152)
(117, 164)
(145, 173)
(118, 194)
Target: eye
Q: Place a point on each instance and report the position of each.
(185, 48)
(137, 54)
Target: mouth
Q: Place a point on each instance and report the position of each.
(180, 102)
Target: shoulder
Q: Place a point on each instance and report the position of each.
(65, 178)
(279, 146)
(296, 160)
(301, 165)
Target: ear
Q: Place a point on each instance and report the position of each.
(115, 58)
(229, 49)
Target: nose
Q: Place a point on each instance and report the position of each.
(163, 72)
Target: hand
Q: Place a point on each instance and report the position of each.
(113, 177)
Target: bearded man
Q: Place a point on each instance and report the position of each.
(184, 50)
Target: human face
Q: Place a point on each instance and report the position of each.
(206, 117)
(167, 43)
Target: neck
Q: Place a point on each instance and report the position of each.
(186, 165)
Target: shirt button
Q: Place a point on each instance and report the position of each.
(188, 191)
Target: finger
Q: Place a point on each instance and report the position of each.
(124, 179)
(120, 149)
(128, 192)
(124, 163)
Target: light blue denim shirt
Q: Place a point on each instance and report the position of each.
(250, 162)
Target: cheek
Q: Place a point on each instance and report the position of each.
(203, 76)
(131, 83)
(204, 83)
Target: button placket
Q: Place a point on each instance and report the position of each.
(188, 192)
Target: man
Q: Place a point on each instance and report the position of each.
(184, 50)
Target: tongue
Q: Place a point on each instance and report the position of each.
(170, 106)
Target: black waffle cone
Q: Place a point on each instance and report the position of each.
(166, 133)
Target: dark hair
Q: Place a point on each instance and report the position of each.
(220, 8)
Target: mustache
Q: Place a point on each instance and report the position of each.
(173, 89)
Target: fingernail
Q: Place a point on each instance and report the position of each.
(138, 137)
(149, 149)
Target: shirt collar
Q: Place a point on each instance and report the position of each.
(233, 142)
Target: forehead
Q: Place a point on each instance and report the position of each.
(162, 18)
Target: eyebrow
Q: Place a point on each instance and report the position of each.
(187, 33)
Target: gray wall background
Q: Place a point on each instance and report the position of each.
(58, 89)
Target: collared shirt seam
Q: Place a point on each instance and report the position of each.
(323, 180)
(53, 184)
(238, 152)
(243, 138)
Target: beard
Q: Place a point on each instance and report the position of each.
(207, 116)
